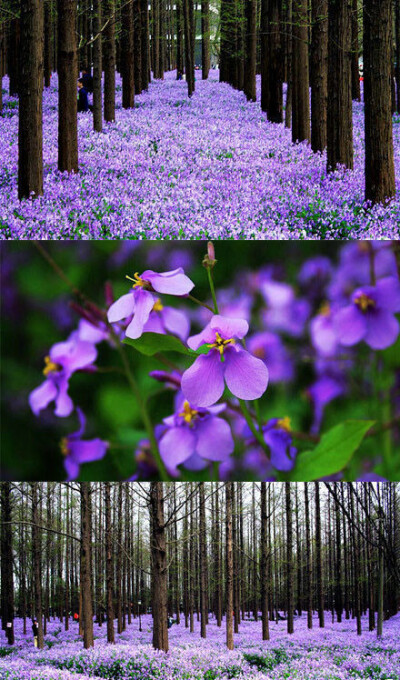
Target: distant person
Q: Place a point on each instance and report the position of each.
(180, 77)
(87, 79)
(83, 102)
(76, 617)
(35, 631)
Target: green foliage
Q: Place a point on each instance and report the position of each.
(333, 452)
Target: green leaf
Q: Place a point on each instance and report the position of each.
(333, 452)
(153, 343)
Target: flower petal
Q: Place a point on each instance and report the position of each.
(350, 325)
(122, 308)
(71, 468)
(41, 397)
(144, 304)
(207, 335)
(177, 445)
(83, 451)
(382, 329)
(388, 293)
(64, 403)
(176, 322)
(229, 328)
(246, 376)
(203, 383)
(214, 439)
(173, 283)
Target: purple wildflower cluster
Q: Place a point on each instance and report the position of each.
(208, 167)
(263, 333)
(335, 651)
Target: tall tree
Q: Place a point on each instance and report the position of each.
(97, 68)
(300, 73)
(355, 74)
(340, 112)
(229, 566)
(203, 563)
(271, 60)
(379, 156)
(7, 564)
(318, 550)
(37, 561)
(264, 564)
(289, 557)
(109, 61)
(250, 64)
(319, 74)
(205, 38)
(30, 134)
(67, 102)
(158, 567)
(86, 564)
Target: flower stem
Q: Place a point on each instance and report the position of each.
(142, 405)
(199, 302)
(214, 297)
(257, 434)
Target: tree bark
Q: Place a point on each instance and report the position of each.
(128, 84)
(203, 563)
(355, 74)
(379, 156)
(271, 60)
(109, 62)
(318, 548)
(97, 69)
(229, 566)
(319, 74)
(264, 564)
(86, 564)
(36, 562)
(67, 100)
(289, 558)
(205, 38)
(7, 564)
(308, 558)
(30, 134)
(300, 73)
(159, 567)
(340, 112)
(251, 50)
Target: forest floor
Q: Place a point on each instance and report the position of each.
(209, 167)
(334, 653)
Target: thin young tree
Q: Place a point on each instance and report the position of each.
(30, 134)
(264, 564)
(229, 565)
(159, 567)
(86, 564)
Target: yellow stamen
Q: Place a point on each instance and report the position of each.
(64, 446)
(284, 424)
(364, 302)
(158, 306)
(138, 282)
(50, 366)
(220, 343)
(325, 309)
(188, 413)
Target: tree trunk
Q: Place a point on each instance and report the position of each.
(67, 100)
(137, 45)
(86, 564)
(30, 135)
(319, 74)
(159, 567)
(300, 75)
(48, 34)
(229, 567)
(320, 587)
(264, 564)
(271, 60)
(13, 56)
(340, 112)
(205, 38)
(189, 64)
(128, 85)
(144, 15)
(379, 159)
(109, 62)
(308, 559)
(289, 558)
(36, 562)
(355, 74)
(7, 564)
(97, 69)
(251, 50)
(203, 563)
(179, 38)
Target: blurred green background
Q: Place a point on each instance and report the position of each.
(36, 313)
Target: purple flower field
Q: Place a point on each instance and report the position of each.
(334, 653)
(209, 167)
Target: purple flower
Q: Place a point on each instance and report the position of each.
(194, 434)
(77, 450)
(246, 376)
(269, 347)
(278, 437)
(323, 334)
(140, 302)
(63, 360)
(370, 316)
(166, 320)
